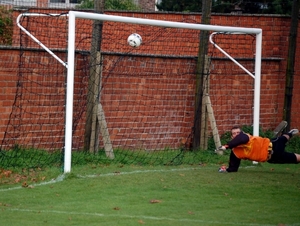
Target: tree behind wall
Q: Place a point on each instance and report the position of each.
(289, 83)
(180, 6)
(229, 6)
(110, 5)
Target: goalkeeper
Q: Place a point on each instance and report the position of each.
(259, 149)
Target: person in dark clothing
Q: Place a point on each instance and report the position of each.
(259, 149)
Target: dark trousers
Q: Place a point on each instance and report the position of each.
(279, 154)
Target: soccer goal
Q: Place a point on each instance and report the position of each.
(107, 95)
(167, 24)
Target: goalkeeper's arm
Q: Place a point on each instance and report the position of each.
(242, 138)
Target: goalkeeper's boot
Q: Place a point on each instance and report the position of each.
(293, 132)
(278, 130)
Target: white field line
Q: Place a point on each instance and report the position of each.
(135, 172)
(62, 176)
(143, 171)
(142, 217)
(58, 179)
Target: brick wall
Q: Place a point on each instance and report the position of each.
(8, 77)
(228, 111)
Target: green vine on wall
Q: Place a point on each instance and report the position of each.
(6, 26)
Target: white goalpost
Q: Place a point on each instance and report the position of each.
(71, 54)
(70, 65)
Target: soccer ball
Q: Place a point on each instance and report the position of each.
(134, 40)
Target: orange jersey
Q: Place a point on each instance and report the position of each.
(256, 149)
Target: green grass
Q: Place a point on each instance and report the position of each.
(146, 188)
(197, 194)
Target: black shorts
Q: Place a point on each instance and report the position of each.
(279, 154)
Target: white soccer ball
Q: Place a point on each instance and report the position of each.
(134, 40)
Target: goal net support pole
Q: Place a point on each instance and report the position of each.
(35, 39)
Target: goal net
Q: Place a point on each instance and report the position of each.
(81, 89)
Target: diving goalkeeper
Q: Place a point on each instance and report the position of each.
(259, 149)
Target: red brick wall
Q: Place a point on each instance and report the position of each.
(234, 106)
(8, 76)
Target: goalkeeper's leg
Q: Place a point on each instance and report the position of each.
(278, 130)
(234, 163)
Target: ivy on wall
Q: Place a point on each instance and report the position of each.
(6, 26)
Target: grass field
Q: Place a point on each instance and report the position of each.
(258, 195)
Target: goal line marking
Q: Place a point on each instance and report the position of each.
(135, 172)
(62, 177)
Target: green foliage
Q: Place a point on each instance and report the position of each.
(268, 7)
(121, 5)
(144, 158)
(6, 26)
(180, 6)
(249, 129)
(228, 6)
(280, 7)
(20, 158)
(222, 7)
(85, 4)
(111, 5)
(293, 145)
(29, 158)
